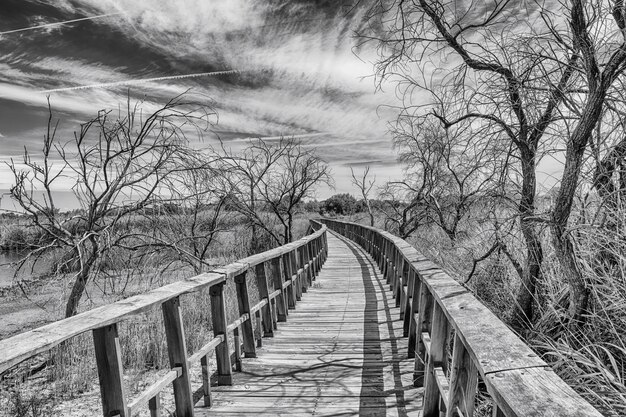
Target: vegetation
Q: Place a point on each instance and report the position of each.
(489, 92)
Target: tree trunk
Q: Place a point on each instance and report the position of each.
(534, 253)
(80, 283)
(289, 234)
(579, 293)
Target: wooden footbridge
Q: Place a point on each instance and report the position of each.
(349, 320)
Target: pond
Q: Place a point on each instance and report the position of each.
(7, 269)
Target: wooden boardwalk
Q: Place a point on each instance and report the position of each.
(340, 353)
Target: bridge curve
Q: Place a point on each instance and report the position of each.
(341, 352)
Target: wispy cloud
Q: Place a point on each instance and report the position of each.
(298, 76)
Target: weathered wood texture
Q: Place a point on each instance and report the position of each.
(341, 352)
(519, 382)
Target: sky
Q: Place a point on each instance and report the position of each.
(271, 68)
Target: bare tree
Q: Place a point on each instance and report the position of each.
(365, 186)
(603, 62)
(501, 79)
(451, 170)
(402, 204)
(190, 215)
(290, 181)
(268, 181)
(117, 166)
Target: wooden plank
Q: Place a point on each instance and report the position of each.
(288, 278)
(436, 358)
(206, 381)
(276, 273)
(423, 325)
(153, 390)
(243, 303)
(177, 353)
(443, 387)
(536, 392)
(222, 352)
(463, 381)
(206, 349)
(154, 405)
(266, 311)
(110, 371)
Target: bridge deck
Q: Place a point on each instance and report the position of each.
(340, 353)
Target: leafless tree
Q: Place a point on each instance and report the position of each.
(451, 172)
(365, 186)
(290, 181)
(190, 215)
(502, 79)
(116, 165)
(268, 181)
(603, 60)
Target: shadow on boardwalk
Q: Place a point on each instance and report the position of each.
(340, 353)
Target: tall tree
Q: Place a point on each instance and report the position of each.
(482, 55)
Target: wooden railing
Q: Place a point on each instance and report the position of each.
(438, 313)
(291, 268)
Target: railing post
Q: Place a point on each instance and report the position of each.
(302, 252)
(436, 358)
(309, 261)
(410, 299)
(288, 272)
(463, 381)
(385, 260)
(206, 381)
(423, 325)
(399, 283)
(222, 352)
(392, 269)
(110, 371)
(243, 299)
(295, 262)
(266, 310)
(177, 352)
(276, 274)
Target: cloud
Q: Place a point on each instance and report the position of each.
(299, 74)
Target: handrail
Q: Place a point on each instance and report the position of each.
(432, 307)
(295, 265)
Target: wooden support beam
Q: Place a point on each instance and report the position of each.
(288, 277)
(154, 405)
(110, 371)
(436, 358)
(177, 353)
(403, 278)
(463, 381)
(302, 255)
(206, 381)
(243, 299)
(295, 262)
(237, 346)
(414, 311)
(266, 310)
(423, 325)
(408, 300)
(276, 274)
(222, 352)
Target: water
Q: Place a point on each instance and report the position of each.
(6, 269)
